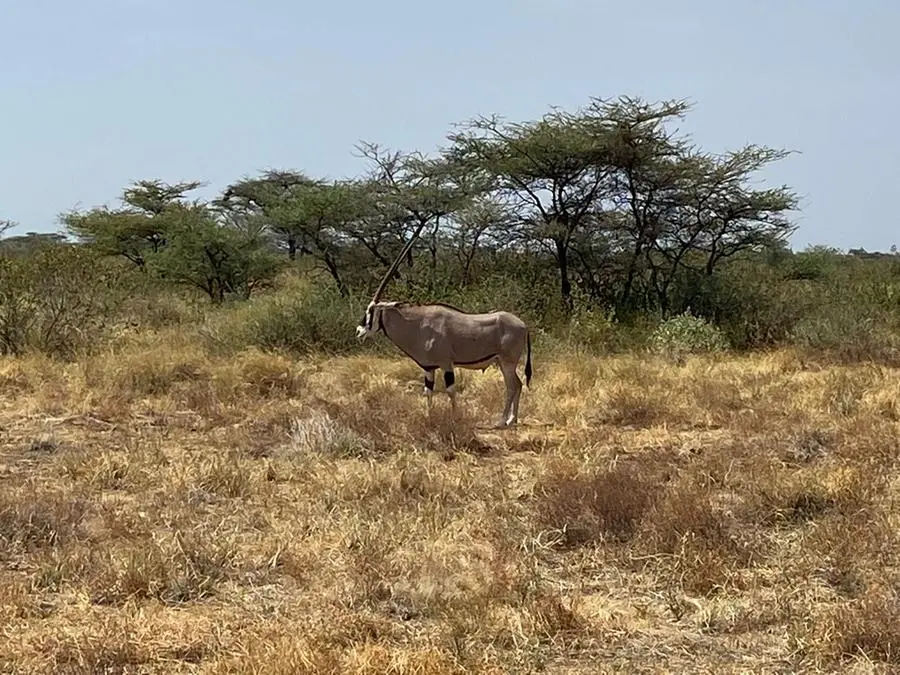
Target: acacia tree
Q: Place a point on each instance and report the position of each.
(732, 217)
(322, 214)
(481, 226)
(686, 211)
(553, 172)
(263, 199)
(213, 257)
(184, 242)
(136, 229)
(410, 194)
(623, 205)
(645, 172)
(307, 216)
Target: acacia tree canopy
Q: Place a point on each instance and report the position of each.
(610, 198)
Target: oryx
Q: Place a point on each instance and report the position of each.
(440, 336)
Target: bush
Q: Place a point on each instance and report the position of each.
(853, 333)
(596, 330)
(218, 260)
(686, 334)
(751, 302)
(592, 329)
(299, 319)
(59, 302)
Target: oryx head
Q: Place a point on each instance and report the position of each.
(370, 323)
(367, 326)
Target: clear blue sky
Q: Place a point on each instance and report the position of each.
(97, 94)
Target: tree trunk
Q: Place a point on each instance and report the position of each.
(624, 303)
(562, 261)
(332, 268)
(433, 251)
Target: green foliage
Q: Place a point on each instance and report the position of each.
(814, 264)
(299, 319)
(749, 299)
(136, 230)
(61, 301)
(293, 206)
(851, 335)
(185, 243)
(155, 197)
(611, 187)
(221, 261)
(686, 334)
(152, 304)
(594, 330)
(590, 225)
(855, 315)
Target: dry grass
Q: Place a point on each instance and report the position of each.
(166, 511)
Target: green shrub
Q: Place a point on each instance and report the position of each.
(751, 302)
(852, 333)
(597, 331)
(591, 328)
(155, 309)
(298, 319)
(686, 334)
(61, 301)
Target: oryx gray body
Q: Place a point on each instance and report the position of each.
(440, 336)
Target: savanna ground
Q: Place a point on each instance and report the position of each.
(164, 510)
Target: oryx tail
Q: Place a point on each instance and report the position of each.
(528, 370)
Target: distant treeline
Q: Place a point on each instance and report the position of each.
(595, 224)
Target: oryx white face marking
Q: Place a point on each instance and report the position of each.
(365, 327)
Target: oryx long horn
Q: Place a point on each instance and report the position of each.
(396, 263)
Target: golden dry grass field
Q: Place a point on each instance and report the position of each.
(166, 511)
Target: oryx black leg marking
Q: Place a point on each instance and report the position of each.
(429, 386)
(449, 382)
